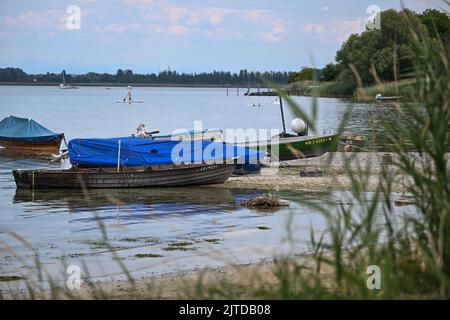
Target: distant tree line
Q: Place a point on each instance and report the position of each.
(385, 54)
(244, 77)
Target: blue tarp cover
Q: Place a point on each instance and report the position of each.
(145, 152)
(20, 129)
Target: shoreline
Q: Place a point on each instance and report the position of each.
(333, 178)
(121, 85)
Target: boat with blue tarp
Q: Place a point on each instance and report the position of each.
(129, 162)
(28, 135)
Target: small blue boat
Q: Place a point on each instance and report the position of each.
(28, 135)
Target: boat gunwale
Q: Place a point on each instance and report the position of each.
(284, 140)
(124, 170)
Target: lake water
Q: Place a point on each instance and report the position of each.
(63, 225)
(93, 111)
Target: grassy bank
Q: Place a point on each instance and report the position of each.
(338, 89)
(390, 89)
(319, 89)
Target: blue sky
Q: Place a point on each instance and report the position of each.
(187, 36)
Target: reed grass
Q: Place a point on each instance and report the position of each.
(334, 89)
(397, 88)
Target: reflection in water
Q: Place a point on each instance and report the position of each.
(139, 199)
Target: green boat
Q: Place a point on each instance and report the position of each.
(287, 146)
(290, 147)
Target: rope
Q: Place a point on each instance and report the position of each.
(353, 146)
(65, 142)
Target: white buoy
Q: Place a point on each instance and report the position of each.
(298, 126)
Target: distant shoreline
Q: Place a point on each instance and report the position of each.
(121, 85)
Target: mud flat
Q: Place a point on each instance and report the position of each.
(332, 168)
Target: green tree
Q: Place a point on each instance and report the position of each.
(305, 74)
(386, 51)
(437, 23)
(331, 71)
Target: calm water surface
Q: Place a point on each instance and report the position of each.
(93, 111)
(63, 225)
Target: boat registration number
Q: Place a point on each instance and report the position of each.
(316, 141)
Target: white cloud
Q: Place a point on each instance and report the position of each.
(116, 28)
(176, 13)
(140, 2)
(314, 28)
(276, 34)
(178, 30)
(26, 19)
(216, 15)
(335, 31)
(183, 19)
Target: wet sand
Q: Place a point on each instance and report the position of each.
(332, 167)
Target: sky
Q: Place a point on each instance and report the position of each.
(183, 35)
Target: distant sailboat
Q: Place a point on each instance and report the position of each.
(64, 85)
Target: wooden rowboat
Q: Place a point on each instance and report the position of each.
(38, 147)
(133, 177)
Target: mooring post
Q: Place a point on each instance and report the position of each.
(118, 157)
(227, 91)
(282, 114)
(237, 90)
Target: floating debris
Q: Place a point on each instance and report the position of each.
(311, 173)
(403, 202)
(180, 244)
(264, 203)
(178, 248)
(213, 241)
(11, 278)
(148, 255)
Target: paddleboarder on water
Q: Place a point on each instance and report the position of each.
(129, 98)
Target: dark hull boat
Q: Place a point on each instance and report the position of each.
(134, 162)
(154, 176)
(28, 135)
